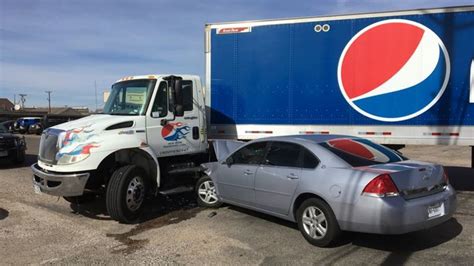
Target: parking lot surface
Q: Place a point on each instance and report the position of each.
(41, 229)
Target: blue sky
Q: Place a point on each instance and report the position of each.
(66, 46)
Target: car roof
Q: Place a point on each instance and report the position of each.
(312, 138)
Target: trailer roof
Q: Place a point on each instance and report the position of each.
(264, 22)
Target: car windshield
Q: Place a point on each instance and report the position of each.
(3, 129)
(129, 97)
(362, 152)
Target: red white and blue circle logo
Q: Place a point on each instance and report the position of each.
(393, 70)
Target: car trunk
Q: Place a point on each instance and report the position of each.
(414, 179)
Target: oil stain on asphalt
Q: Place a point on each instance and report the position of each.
(3, 214)
(129, 245)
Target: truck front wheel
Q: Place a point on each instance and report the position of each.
(126, 193)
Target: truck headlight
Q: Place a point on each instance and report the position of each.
(71, 158)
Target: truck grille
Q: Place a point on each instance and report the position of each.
(49, 146)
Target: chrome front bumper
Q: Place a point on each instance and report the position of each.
(58, 184)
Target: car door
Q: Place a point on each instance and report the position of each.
(276, 180)
(235, 180)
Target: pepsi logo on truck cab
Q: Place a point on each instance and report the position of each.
(393, 70)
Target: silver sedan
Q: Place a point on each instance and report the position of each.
(328, 184)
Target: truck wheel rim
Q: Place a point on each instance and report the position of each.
(207, 192)
(314, 222)
(135, 193)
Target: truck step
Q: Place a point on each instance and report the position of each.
(176, 190)
(185, 170)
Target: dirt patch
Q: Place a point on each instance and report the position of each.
(3, 213)
(129, 245)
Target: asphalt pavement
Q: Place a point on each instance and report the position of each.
(40, 229)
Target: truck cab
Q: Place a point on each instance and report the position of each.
(149, 139)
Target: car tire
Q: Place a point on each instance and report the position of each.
(206, 193)
(80, 199)
(317, 222)
(126, 193)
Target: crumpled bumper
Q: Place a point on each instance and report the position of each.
(59, 184)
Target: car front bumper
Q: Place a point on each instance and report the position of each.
(395, 215)
(59, 184)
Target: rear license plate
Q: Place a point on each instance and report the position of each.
(3, 153)
(37, 189)
(436, 210)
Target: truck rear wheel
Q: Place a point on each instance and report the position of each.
(126, 193)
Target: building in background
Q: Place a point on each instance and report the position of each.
(6, 105)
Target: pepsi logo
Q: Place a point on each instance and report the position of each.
(175, 131)
(393, 70)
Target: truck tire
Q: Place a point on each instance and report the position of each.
(206, 193)
(125, 194)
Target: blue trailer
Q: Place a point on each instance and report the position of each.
(401, 77)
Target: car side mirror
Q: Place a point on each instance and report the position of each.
(229, 161)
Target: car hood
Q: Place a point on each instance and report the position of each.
(7, 136)
(95, 123)
(223, 148)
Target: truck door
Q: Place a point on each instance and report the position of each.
(170, 135)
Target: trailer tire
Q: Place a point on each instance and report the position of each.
(125, 193)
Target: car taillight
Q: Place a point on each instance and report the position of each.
(381, 186)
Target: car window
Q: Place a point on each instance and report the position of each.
(284, 154)
(361, 152)
(250, 154)
(309, 160)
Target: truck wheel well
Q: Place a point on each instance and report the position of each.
(301, 198)
(129, 156)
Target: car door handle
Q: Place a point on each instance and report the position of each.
(292, 176)
(248, 172)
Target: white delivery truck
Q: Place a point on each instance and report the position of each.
(396, 78)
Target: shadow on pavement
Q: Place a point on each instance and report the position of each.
(461, 178)
(154, 207)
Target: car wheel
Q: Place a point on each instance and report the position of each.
(125, 194)
(206, 193)
(317, 222)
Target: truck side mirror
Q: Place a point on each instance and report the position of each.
(178, 98)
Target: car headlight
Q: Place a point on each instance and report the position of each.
(71, 158)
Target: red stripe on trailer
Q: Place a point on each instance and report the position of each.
(259, 132)
(386, 133)
(369, 133)
(454, 134)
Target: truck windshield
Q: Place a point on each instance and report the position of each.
(129, 97)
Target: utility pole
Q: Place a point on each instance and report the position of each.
(22, 100)
(49, 101)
